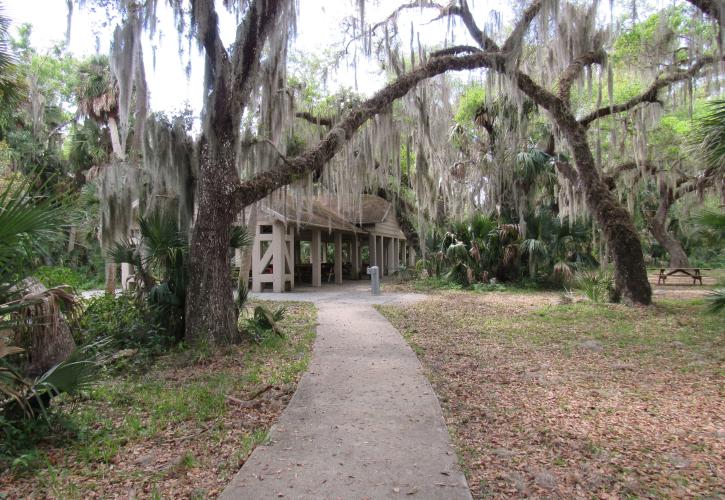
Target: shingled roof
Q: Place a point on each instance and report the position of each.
(307, 213)
(372, 210)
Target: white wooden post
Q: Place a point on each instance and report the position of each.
(291, 247)
(380, 255)
(315, 258)
(256, 269)
(355, 257)
(372, 250)
(278, 257)
(391, 255)
(338, 257)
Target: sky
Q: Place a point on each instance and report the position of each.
(169, 86)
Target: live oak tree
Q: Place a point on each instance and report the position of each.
(551, 46)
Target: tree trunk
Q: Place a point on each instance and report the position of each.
(630, 273)
(658, 228)
(110, 278)
(678, 256)
(46, 336)
(210, 301)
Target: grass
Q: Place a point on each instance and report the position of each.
(604, 398)
(170, 431)
(431, 284)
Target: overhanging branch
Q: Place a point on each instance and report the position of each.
(316, 120)
(314, 159)
(575, 68)
(650, 95)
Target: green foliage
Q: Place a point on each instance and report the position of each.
(52, 276)
(131, 324)
(597, 285)
(716, 301)
(27, 226)
(160, 258)
(263, 323)
(471, 100)
(709, 136)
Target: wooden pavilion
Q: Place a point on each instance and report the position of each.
(316, 241)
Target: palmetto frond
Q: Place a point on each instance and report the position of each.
(240, 237)
(709, 137)
(716, 300)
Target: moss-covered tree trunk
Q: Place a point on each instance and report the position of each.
(630, 273)
(210, 311)
(658, 228)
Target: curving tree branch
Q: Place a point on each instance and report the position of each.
(462, 11)
(314, 159)
(650, 95)
(517, 35)
(455, 50)
(316, 120)
(574, 70)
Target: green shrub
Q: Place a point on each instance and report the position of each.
(488, 287)
(52, 276)
(127, 321)
(263, 323)
(597, 285)
(716, 301)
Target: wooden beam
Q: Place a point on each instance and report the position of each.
(391, 255)
(380, 255)
(315, 258)
(256, 264)
(338, 257)
(291, 255)
(278, 256)
(355, 257)
(372, 249)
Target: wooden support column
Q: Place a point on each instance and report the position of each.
(256, 264)
(355, 257)
(404, 253)
(396, 254)
(279, 235)
(380, 255)
(338, 257)
(292, 247)
(372, 249)
(315, 258)
(391, 255)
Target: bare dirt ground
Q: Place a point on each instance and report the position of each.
(577, 400)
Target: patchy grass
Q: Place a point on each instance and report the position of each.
(179, 430)
(576, 400)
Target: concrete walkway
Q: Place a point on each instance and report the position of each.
(364, 422)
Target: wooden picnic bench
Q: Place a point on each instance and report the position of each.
(692, 272)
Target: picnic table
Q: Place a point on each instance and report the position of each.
(692, 272)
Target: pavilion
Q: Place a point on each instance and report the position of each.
(294, 241)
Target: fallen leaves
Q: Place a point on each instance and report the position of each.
(597, 402)
(171, 454)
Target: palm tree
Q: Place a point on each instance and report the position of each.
(12, 87)
(97, 96)
(31, 315)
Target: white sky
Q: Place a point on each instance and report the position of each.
(169, 87)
